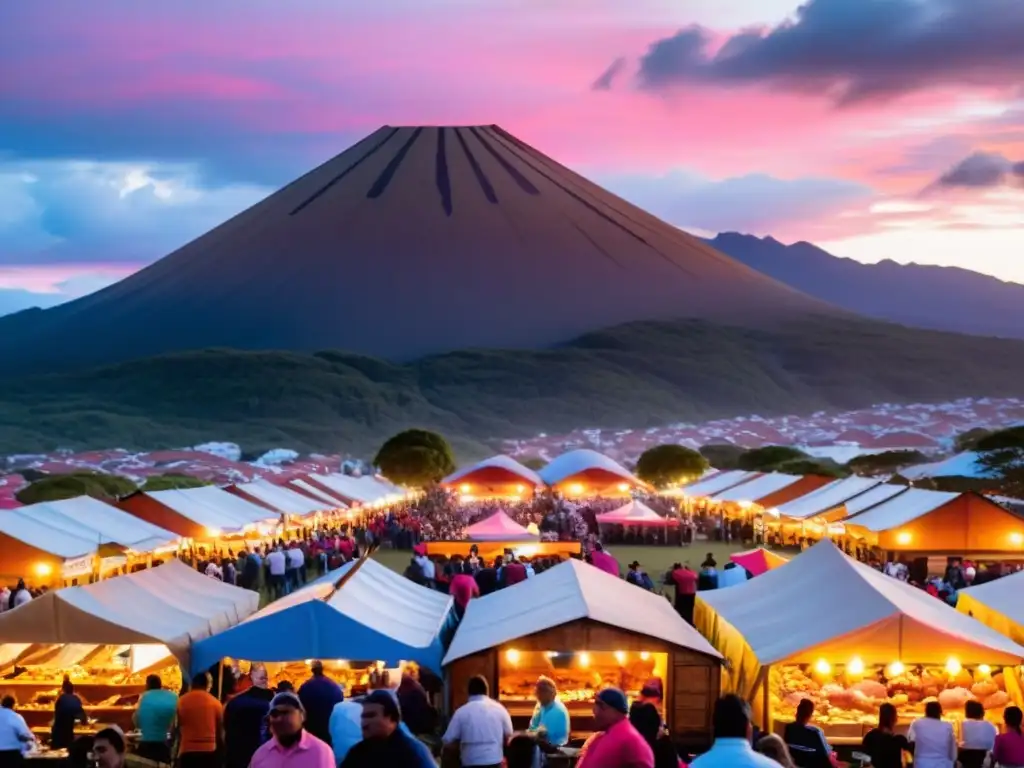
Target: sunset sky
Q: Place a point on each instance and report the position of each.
(875, 128)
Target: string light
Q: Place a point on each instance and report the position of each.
(856, 666)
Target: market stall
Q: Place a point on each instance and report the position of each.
(501, 527)
(497, 477)
(107, 636)
(584, 473)
(828, 628)
(56, 542)
(280, 500)
(358, 618)
(639, 514)
(758, 561)
(933, 522)
(585, 629)
(998, 604)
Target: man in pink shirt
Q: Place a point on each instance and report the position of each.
(291, 746)
(617, 744)
(463, 588)
(603, 560)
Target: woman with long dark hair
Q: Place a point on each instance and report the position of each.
(645, 717)
(1009, 749)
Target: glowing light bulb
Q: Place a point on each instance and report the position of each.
(984, 669)
(620, 656)
(520, 488)
(644, 655)
(464, 488)
(43, 570)
(822, 667)
(855, 667)
(551, 654)
(896, 669)
(213, 533)
(576, 489)
(512, 655)
(953, 666)
(903, 538)
(584, 659)
(623, 487)
(1017, 538)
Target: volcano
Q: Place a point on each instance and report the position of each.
(414, 241)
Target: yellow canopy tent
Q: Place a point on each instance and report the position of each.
(997, 604)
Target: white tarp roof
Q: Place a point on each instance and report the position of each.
(364, 490)
(506, 463)
(172, 604)
(873, 497)
(76, 527)
(827, 497)
(718, 482)
(319, 493)
(758, 488)
(852, 610)
(900, 510)
(280, 498)
(572, 463)
(571, 590)
(1002, 595)
(213, 508)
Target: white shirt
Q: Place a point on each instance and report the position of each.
(934, 743)
(213, 571)
(21, 597)
(296, 559)
(978, 734)
(733, 753)
(13, 726)
(276, 561)
(427, 566)
(481, 726)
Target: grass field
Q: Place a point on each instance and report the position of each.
(654, 560)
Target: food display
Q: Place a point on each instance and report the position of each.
(578, 675)
(850, 695)
(355, 677)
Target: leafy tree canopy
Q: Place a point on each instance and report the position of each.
(72, 485)
(171, 481)
(1002, 454)
(823, 467)
(968, 441)
(769, 457)
(669, 464)
(415, 457)
(722, 455)
(885, 462)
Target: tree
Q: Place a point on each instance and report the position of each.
(884, 463)
(75, 484)
(1002, 454)
(768, 458)
(536, 463)
(171, 481)
(669, 464)
(968, 441)
(415, 457)
(822, 467)
(722, 455)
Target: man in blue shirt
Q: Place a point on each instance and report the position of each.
(318, 695)
(733, 734)
(550, 719)
(153, 717)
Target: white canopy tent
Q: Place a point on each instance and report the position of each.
(758, 488)
(900, 509)
(307, 488)
(282, 499)
(571, 590)
(171, 605)
(92, 519)
(828, 497)
(365, 490)
(718, 482)
(846, 609)
(581, 460)
(212, 508)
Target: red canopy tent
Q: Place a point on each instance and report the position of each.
(636, 513)
(499, 527)
(758, 561)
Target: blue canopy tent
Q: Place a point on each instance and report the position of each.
(362, 611)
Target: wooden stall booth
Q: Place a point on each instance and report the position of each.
(106, 637)
(827, 628)
(586, 630)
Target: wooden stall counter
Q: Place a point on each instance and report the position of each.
(491, 549)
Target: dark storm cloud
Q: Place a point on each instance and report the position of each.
(610, 75)
(982, 170)
(853, 50)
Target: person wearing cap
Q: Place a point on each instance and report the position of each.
(617, 743)
(734, 733)
(290, 744)
(319, 695)
(385, 743)
(550, 719)
(480, 728)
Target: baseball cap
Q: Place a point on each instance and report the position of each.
(614, 698)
